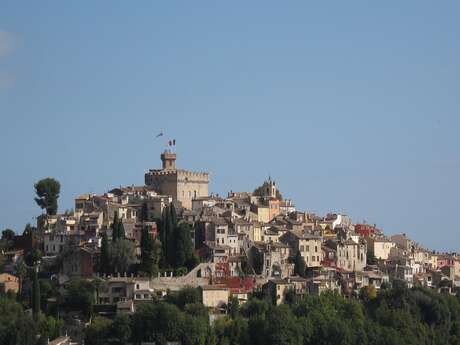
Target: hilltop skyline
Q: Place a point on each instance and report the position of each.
(345, 111)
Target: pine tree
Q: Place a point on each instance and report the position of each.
(35, 293)
(104, 266)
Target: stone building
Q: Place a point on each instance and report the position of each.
(181, 185)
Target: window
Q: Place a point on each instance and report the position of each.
(316, 249)
(137, 286)
(302, 248)
(308, 248)
(313, 258)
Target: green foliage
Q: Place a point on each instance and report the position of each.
(121, 330)
(36, 304)
(233, 307)
(177, 248)
(182, 244)
(185, 296)
(16, 326)
(299, 265)
(118, 230)
(47, 191)
(49, 327)
(99, 331)
(79, 295)
(257, 260)
(7, 240)
(104, 262)
(122, 255)
(150, 253)
(371, 259)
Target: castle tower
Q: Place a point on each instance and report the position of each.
(169, 160)
(182, 185)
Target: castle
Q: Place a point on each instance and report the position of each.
(182, 185)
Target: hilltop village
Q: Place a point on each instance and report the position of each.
(144, 242)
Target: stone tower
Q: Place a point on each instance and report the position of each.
(181, 185)
(270, 188)
(169, 160)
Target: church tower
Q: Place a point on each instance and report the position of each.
(270, 188)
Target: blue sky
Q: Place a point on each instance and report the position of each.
(351, 106)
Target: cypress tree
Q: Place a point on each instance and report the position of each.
(115, 227)
(164, 230)
(35, 293)
(121, 231)
(145, 212)
(170, 237)
(146, 251)
(299, 265)
(105, 256)
(183, 245)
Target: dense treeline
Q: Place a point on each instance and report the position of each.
(394, 316)
(18, 327)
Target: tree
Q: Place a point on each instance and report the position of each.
(299, 265)
(371, 259)
(8, 238)
(168, 225)
(79, 296)
(122, 255)
(16, 326)
(182, 244)
(150, 253)
(145, 212)
(118, 230)
(104, 264)
(233, 307)
(47, 191)
(257, 260)
(99, 331)
(35, 293)
(283, 329)
(121, 329)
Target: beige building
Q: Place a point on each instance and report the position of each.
(308, 245)
(214, 296)
(380, 247)
(181, 185)
(351, 256)
(9, 282)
